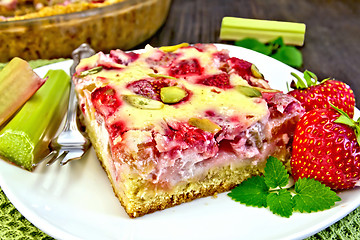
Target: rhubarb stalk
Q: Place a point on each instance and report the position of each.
(25, 139)
(263, 30)
(18, 82)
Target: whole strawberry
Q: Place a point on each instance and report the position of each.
(318, 95)
(326, 149)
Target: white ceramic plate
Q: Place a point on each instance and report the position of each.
(77, 202)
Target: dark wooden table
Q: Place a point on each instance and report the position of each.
(332, 36)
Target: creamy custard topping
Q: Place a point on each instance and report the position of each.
(224, 102)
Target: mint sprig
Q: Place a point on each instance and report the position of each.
(280, 202)
(289, 55)
(313, 196)
(275, 173)
(307, 195)
(252, 192)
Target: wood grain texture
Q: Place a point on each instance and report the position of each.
(332, 37)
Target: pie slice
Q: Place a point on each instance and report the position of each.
(173, 124)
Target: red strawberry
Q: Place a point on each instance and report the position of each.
(122, 57)
(186, 67)
(316, 95)
(105, 100)
(220, 60)
(326, 150)
(217, 80)
(149, 88)
(116, 129)
(160, 58)
(242, 67)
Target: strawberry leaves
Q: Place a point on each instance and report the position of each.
(345, 119)
(269, 190)
(310, 78)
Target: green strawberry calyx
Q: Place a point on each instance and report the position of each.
(310, 80)
(345, 119)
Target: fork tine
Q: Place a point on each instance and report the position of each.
(61, 155)
(72, 155)
(53, 154)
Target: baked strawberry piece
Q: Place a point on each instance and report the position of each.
(173, 124)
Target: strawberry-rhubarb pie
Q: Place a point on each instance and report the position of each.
(176, 123)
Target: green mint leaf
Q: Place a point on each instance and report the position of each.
(280, 203)
(276, 43)
(254, 44)
(251, 192)
(275, 173)
(289, 55)
(277, 49)
(313, 196)
(308, 195)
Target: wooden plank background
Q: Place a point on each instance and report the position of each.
(332, 36)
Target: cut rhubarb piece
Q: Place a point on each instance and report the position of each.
(233, 28)
(18, 82)
(25, 139)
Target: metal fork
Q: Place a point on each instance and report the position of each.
(71, 143)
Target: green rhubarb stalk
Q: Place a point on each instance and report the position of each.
(25, 139)
(263, 30)
(18, 82)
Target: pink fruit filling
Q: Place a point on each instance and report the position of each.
(115, 130)
(182, 151)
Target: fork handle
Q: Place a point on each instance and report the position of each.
(83, 51)
(72, 109)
